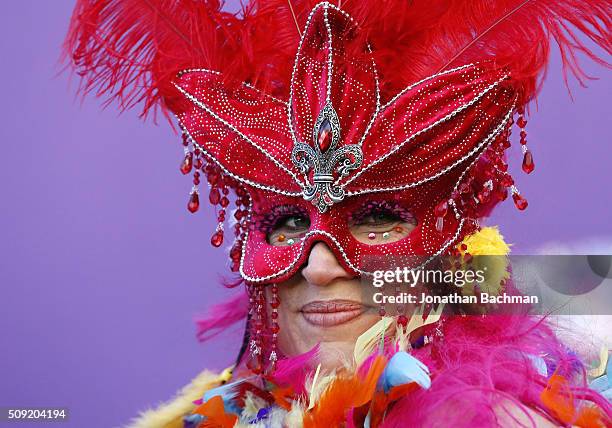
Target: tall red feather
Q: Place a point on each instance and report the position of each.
(131, 49)
(422, 38)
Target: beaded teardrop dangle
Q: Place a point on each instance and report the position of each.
(187, 163)
(242, 217)
(528, 165)
(256, 304)
(194, 200)
(519, 201)
(274, 329)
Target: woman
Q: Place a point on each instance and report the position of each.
(354, 137)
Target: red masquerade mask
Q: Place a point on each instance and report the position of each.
(335, 145)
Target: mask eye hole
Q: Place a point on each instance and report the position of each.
(285, 225)
(381, 222)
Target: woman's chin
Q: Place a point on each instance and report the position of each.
(336, 340)
(333, 355)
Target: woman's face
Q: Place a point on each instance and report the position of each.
(322, 303)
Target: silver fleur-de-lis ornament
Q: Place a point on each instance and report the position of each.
(326, 160)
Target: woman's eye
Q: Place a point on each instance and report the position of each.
(289, 229)
(381, 224)
(379, 219)
(295, 223)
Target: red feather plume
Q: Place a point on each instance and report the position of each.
(130, 50)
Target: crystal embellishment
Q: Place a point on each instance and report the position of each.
(326, 160)
(324, 137)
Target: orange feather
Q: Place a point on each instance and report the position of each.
(214, 410)
(343, 394)
(558, 398)
(283, 397)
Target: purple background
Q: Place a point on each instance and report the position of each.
(102, 269)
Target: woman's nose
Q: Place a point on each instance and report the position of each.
(323, 267)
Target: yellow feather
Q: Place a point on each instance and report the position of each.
(488, 241)
(313, 388)
(369, 340)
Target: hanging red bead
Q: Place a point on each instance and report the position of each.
(194, 202)
(214, 197)
(217, 239)
(520, 202)
(528, 165)
(187, 163)
(257, 302)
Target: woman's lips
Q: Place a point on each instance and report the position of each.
(331, 312)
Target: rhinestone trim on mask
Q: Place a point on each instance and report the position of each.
(204, 107)
(428, 128)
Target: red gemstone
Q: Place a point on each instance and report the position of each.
(217, 239)
(254, 364)
(198, 163)
(519, 201)
(194, 202)
(214, 197)
(528, 165)
(521, 122)
(187, 163)
(324, 138)
(224, 202)
(235, 254)
(213, 178)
